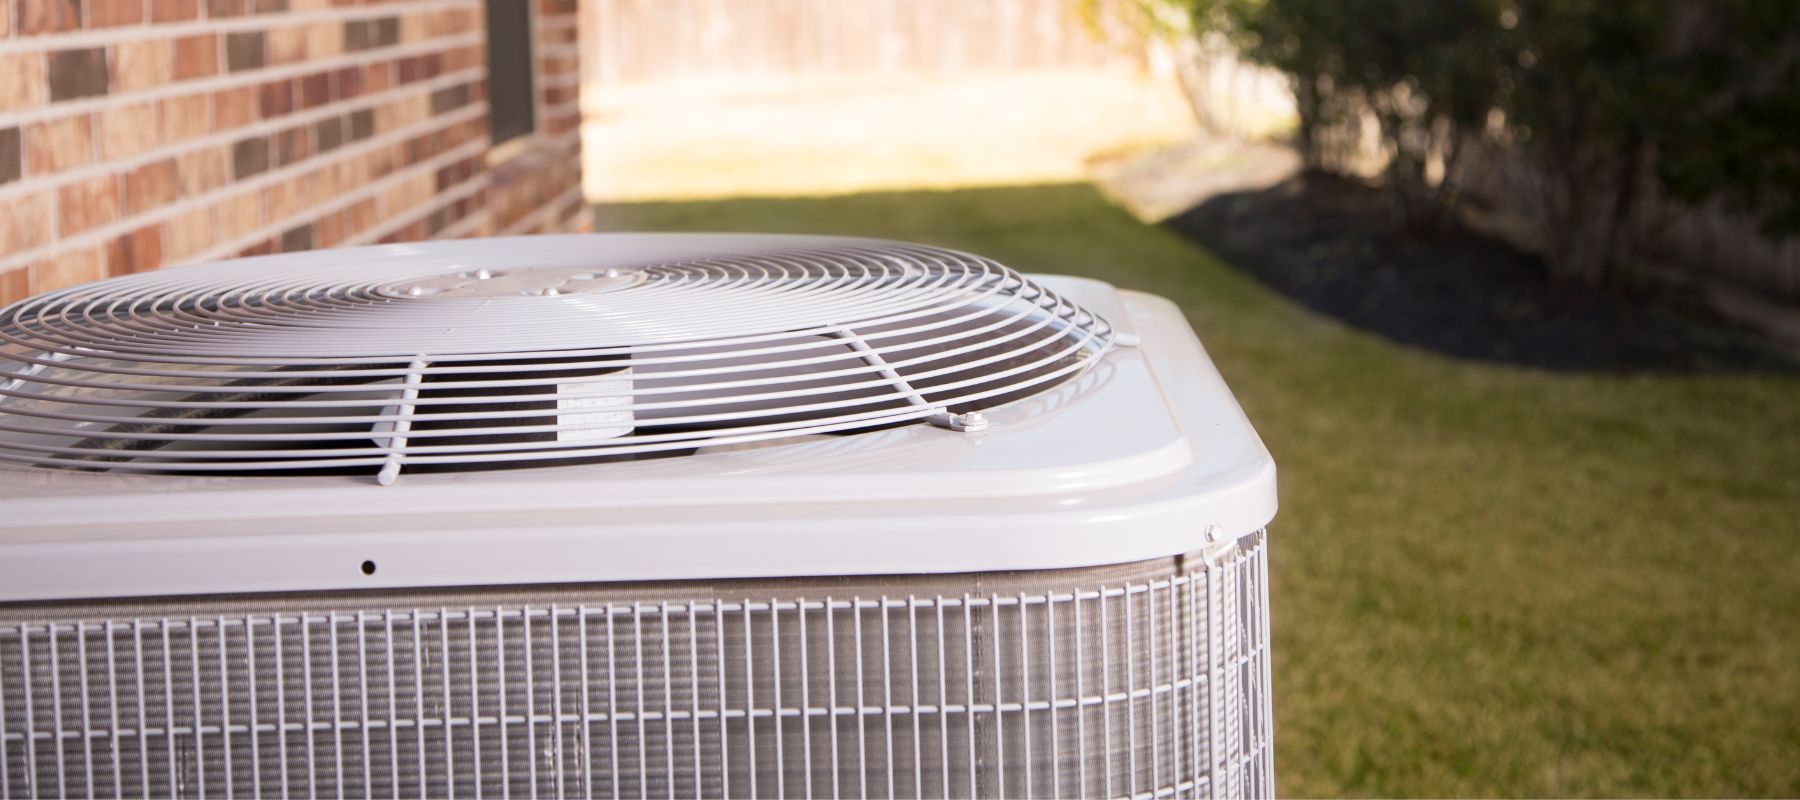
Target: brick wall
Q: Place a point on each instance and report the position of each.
(143, 133)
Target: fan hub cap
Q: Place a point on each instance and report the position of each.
(523, 282)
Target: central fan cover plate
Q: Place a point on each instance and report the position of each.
(528, 282)
(551, 350)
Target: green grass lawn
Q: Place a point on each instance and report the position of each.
(1487, 580)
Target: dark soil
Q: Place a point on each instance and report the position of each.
(1333, 246)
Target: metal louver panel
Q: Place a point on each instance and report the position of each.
(384, 362)
(1144, 680)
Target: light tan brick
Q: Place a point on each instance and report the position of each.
(128, 130)
(59, 144)
(352, 172)
(22, 81)
(462, 20)
(85, 204)
(24, 222)
(316, 187)
(238, 216)
(185, 117)
(325, 39)
(417, 27)
(140, 65)
(282, 200)
(286, 45)
(68, 269)
(188, 234)
(203, 171)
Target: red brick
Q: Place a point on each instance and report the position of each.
(196, 56)
(277, 98)
(108, 13)
(349, 82)
(331, 229)
(15, 285)
(84, 204)
(235, 107)
(174, 10)
(150, 186)
(138, 251)
(315, 90)
(378, 77)
(47, 16)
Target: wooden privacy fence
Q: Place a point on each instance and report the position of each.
(652, 42)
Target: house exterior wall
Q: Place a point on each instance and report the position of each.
(136, 134)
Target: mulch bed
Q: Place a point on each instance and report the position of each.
(1333, 246)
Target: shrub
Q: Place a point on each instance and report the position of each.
(1611, 101)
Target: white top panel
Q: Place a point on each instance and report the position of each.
(1142, 456)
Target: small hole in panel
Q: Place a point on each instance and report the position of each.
(368, 568)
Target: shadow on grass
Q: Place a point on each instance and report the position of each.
(1328, 244)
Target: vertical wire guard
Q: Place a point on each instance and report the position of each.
(1148, 681)
(873, 358)
(409, 398)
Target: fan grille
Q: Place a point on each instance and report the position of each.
(360, 364)
(1141, 680)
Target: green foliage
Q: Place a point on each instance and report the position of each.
(1611, 100)
(1615, 99)
(1739, 68)
(1426, 71)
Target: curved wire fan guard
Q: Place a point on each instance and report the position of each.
(327, 362)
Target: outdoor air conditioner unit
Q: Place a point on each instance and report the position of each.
(808, 516)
